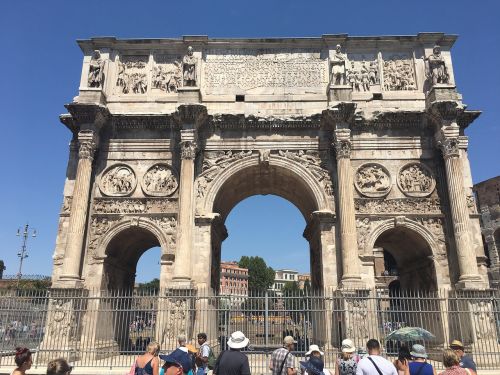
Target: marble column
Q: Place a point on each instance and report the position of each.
(182, 271)
(346, 214)
(449, 143)
(87, 140)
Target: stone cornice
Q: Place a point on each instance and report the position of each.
(190, 115)
(339, 114)
(94, 115)
(390, 119)
(143, 122)
(467, 117)
(241, 121)
(445, 112)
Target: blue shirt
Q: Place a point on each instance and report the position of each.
(467, 362)
(423, 367)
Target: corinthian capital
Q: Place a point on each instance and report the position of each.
(342, 143)
(87, 141)
(450, 147)
(188, 149)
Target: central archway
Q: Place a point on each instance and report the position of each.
(284, 178)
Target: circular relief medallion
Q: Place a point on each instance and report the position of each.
(416, 180)
(373, 180)
(159, 181)
(118, 180)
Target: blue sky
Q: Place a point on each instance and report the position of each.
(41, 65)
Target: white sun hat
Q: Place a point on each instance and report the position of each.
(314, 348)
(348, 346)
(237, 340)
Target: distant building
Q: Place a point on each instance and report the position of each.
(233, 280)
(488, 202)
(282, 277)
(302, 278)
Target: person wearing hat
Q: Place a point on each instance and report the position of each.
(419, 366)
(347, 362)
(465, 360)
(314, 361)
(282, 360)
(314, 366)
(180, 357)
(233, 361)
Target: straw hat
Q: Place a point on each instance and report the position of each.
(237, 340)
(456, 344)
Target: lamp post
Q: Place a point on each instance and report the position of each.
(23, 254)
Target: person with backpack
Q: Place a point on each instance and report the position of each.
(204, 355)
(233, 361)
(148, 363)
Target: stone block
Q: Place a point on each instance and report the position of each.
(189, 95)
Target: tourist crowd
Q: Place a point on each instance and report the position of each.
(189, 360)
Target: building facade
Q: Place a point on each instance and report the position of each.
(488, 201)
(233, 280)
(281, 277)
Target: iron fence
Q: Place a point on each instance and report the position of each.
(109, 328)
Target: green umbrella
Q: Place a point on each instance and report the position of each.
(410, 334)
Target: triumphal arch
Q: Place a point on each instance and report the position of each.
(364, 135)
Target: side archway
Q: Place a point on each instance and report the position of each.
(413, 247)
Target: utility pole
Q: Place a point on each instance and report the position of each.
(23, 254)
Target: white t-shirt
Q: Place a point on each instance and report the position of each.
(366, 367)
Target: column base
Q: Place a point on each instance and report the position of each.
(189, 95)
(339, 93)
(180, 283)
(352, 283)
(471, 282)
(68, 282)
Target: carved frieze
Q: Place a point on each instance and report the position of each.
(249, 69)
(159, 181)
(361, 75)
(373, 180)
(66, 205)
(401, 205)
(133, 206)
(213, 163)
(434, 224)
(416, 180)
(169, 227)
(399, 73)
(167, 73)
(132, 75)
(312, 162)
(471, 204)
(61, 319)
(118, 180)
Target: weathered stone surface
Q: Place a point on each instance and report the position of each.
(364, 135)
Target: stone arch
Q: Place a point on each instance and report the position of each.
(316, 196)
(124, 243)
(286, 178)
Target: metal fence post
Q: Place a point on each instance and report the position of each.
(266, 319)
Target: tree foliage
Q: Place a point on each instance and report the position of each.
(150, 285)
(260, 276)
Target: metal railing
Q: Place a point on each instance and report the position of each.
(109, 328)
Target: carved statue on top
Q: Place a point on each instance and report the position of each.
(339, 61)
(189, 63)
(436, 67)
(96, 70)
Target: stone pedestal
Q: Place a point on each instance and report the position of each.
(339, 93)
(90, 95)
(189, 95)
(442, 92)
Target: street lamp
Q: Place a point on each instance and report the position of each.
(23, 254)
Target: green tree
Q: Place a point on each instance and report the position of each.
(260, 276)
(2, 268)
(150, 285)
